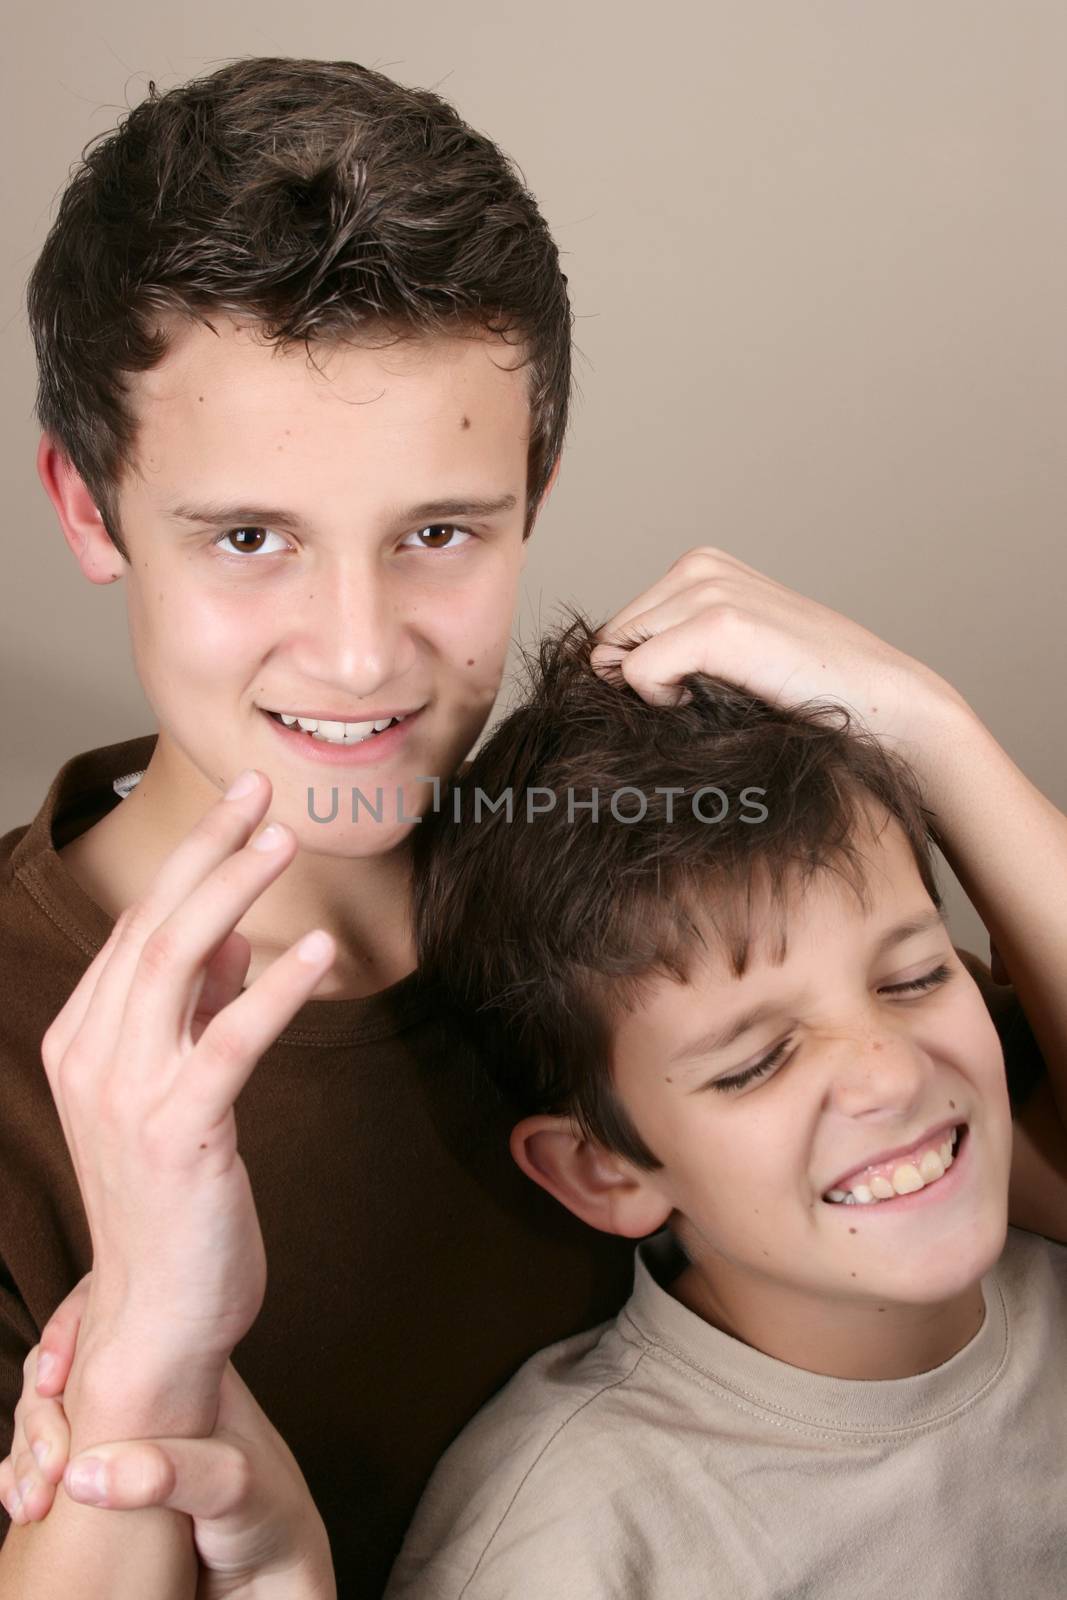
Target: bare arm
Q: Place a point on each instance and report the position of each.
(145, 1063)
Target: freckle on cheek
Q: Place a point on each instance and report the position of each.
(470, 663)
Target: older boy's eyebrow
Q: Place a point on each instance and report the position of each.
(277, 517)
(720, 1038)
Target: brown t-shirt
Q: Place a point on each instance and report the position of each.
(412, 1267)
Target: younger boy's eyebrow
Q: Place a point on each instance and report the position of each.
(278, 517)
(719, 1038)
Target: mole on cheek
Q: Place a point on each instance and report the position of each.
(464, 423)
(470, 663)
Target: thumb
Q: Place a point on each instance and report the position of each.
(205, 1478)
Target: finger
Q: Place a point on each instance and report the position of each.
(684, 606)
(223, 980)
(69, 1020)
(34, 1488)
(9, 1495)
(701, 565)
(47, 1435)
(205, 1478)
(59, 1340)
(221, 831)
(655, 668)
(233, 1041)
(165, 988)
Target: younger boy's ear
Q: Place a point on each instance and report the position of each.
(603, 1189)
(82, 525)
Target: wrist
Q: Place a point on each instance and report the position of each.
(941, 730)
(123, 1389)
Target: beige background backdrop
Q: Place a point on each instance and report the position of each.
(817, 250)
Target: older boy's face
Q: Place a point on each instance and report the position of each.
(339, 542)
(879, 1040)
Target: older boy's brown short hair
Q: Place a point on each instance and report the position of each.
(539, 928)
(317, 197)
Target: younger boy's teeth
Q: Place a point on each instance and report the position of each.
(907, 1178)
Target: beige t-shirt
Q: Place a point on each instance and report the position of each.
(658, 1458)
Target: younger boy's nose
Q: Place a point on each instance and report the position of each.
(876, 1068)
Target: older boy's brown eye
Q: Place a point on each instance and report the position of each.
(248, 541)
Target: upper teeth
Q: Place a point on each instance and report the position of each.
(905, 1179)
(338, 732)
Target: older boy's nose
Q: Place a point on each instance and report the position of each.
(354, 631)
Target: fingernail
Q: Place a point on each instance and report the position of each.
(269, 839)
(242, 785)
(85, 1481)
(41, 1452)
(46, 1366)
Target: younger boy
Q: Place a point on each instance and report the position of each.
(736, 1023)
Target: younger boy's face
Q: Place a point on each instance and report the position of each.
(880, 1039)
(341, 544)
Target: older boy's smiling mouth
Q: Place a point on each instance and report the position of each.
(330, 728)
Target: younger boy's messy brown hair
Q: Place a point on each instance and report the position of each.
(539, 919)
(319, 198)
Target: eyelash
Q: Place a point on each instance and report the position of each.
(452, 527)
(760, 1068)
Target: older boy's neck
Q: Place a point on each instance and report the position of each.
(363, 902)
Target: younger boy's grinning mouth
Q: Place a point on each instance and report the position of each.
(906, 1176)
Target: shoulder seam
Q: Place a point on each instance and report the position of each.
(588, 1401)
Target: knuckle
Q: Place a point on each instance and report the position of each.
(225, 1046)
(698, 557)
(147, 1475)
(236, 1471)
(158, 952)
(52, 1046)
(136, 922)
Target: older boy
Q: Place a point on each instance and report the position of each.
(304, 355)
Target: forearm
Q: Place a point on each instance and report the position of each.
(1007, 844)
(83, 1551)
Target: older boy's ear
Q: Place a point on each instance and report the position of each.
(602, 1188)
(82, 525)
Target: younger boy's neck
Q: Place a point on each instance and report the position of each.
(868, 1341)
(363, 902)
